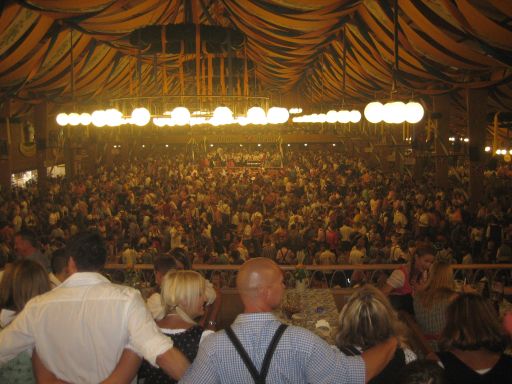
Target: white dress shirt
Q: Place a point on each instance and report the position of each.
(81, 328)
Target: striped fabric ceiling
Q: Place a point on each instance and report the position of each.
(297, 48)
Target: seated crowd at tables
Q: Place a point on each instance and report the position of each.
(318, 209)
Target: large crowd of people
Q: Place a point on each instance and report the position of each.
(319, 207)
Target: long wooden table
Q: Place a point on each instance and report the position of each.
(316, 304)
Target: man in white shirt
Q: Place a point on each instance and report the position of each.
(81, 328)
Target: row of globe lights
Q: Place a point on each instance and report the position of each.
(396, 112)
(500, 151)
(212, 145)
(178, 116)
(332, 116)
(464, 139)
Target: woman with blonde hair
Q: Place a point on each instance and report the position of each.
(473, 342)
(183, 299)
(431, 302)
(366, 320)
(27, 279)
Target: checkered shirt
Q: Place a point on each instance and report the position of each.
(300, 356)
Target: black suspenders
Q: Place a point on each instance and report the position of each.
(258, 377)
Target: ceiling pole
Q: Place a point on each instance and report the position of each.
(395, 45)
(72, 70)
(344, 68)
(5, 147)
(476, 102)
(195, 15)
(230, 64)
(164, 71)
(442, 107)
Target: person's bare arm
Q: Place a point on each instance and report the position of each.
(376, 358)
(386, 289)
(124, 372)
(126, 368)
(173, 362)
(209, 320)
(41, 373)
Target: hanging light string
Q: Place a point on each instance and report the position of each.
(395, 46)
(344, 68)
(72, 67)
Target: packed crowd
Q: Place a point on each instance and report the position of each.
(242, 157)
(320, 207)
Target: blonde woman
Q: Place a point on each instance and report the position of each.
(367, 320)
(183, 299)
(27, 279)
(431, 302)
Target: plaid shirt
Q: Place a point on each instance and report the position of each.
(300, 356)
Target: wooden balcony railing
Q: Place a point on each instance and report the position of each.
(318, 275)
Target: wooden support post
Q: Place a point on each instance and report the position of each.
(41, 138)
(442, 110)
(476, 101)
(69, 154)
(418, 141)
(5, 148)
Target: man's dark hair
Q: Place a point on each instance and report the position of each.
(28, 235)
(59, 260)
(164, 263)
(88, 250)
(422, 372)
(182, 256)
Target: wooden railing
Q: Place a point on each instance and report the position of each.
(325, 275)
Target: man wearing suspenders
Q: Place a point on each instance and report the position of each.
(257, 348)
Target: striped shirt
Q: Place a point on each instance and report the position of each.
(300, 356)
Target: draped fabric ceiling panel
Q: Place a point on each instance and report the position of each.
(297, 47)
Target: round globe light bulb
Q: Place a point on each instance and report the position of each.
(242, 121)
(62, 119)
(355, 116)
(73, 119)
(394, 112)
(140, 117)
(414, 112)
(374, 112)
(343, 116)
(256, 115)
(332, 116)
(321, 118)
(180, 115)
(99, 118)
(114, 118)
(277, 115)
(158, 121)
(85, 118)
(223, 115)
